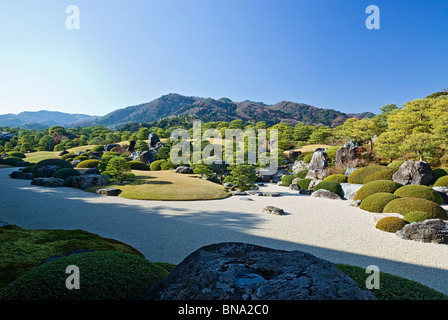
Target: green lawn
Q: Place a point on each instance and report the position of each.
(168, 185)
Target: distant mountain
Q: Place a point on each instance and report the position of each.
(45, 119)
(207, 109)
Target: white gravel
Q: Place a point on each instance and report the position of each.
(169, 231)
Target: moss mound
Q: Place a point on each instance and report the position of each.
(138, 165)
(338, 178)
(104, 275)
(440, 172)
(404, 206)
(287, 180)
(88, 164)
(16, 154)
(304, 183)
(358, 176)
(156, 165)
(396, 164)
(330, 186)
(383, 174)
(64, 173)
(51, 162)
(441, 182)
(417, 216)
(390, 224)
(375, 187)
(419, 191)
(301, 174)
(377, 201)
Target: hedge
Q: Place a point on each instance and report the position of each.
(104, 275)
(64, 173)
(441, 182)
(97, 148)
(377, 201)
(404, 206)
(16, 154)
(358, 176)
(88, 164)
(390, 224)
(155, 166)
(375, 187)
(417, 216)
(330, 186)
(304, 183)
(339, 178)
(138, 165)
(51, 162)
(419, 191)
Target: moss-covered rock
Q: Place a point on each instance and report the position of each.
(138, 165)
(330, 186)
(377, 201)
(375, 187)
(419, 191)
(440, 172)
(390, 224)
(404, 206)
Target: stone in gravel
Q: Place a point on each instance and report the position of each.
(273, 210)
(89, 180)
(414, 172)
(239, 193)
(110, 192)
(241, 271)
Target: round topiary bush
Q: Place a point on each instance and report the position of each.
(339, 178)
(12, 161)
(104, 275)
(16, 154)
(440, 172)
(51, 162)
(390, 224)
(419, 191)
(97, 148)
(330, 186)
(307, 158)
(404, 206)
(417, 216)
(88, 164)
(155, 166)
(301, 174)
(81, 157)
(287, 180)
(377, 201)
(64, 173)
(358, 176)
(304, 183)
(138, 165)
(375, 187)
(68, 156)
(384, 174)
(68, 183)
(441, 182)
(396, 164)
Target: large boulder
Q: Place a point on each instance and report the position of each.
(299, 165)
(322, 193)
(153, 141)
(47, 171)
(47, 182)
(414, 172)
(132, 144)
(346, 157)
(109, 147)
(143, 156)
(318, 161)
(184, 170)
(349, 190)
(89, 180)
(432, 230)
(241, 271)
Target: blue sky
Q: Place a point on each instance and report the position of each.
(129, 52)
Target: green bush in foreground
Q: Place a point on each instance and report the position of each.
(138, 165)
(419, 191)
(330, 186)
(392, 287)
(441, 182)
(156, 165)
(105, 275)
(68, 183)
(64, 173)
(377, 201)
(86, 164)
(287, 180)
(12, 161)
(390, 224)
(338, 178)
(417, 216)
(304, 183)
(404, 206)
(375, 187)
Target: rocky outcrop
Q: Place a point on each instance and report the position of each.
(318, 161)
(90, 180)
(414, 172)
(184, 170)
(273, 210)
(346, 157)
(47, 182)
(432, 230)
(241, 271)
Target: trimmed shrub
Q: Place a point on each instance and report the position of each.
(384, 174)
(16, 154)
(155, 166)
(390, 224)
(138, 165)
(12, 161)
(441, 182)
(68, 183)
(287, 180)
(395, 164)
(304, 183)
(68, 156)
(404, 206)
(375, 187)
(339, 178)
(88, 164)
(419, 191)
(64, 173)
(81, 157)
(106, 275)
(330, 186)
(360, 174)
(168, 165)
(307, 158)
(301, 174)
(377, 201)
(440, 172)
(417, 216)
(27, 169)
(97, 148)
(51, 162)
